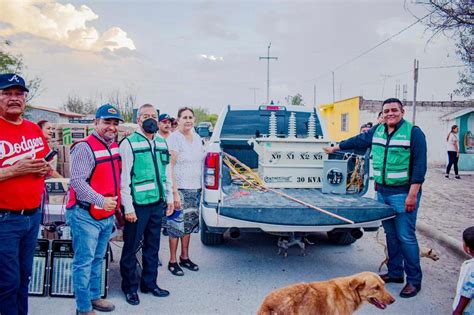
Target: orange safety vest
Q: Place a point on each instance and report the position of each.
(107, 166)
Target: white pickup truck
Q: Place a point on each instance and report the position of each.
(226, 206)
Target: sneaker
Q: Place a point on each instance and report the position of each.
(447, 175)
(457, 177)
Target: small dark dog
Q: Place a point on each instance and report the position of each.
(286, 242)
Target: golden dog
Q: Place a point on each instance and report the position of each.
(339, 296)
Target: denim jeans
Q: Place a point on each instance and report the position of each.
(18, 238)
(402, 245)
(89, 241)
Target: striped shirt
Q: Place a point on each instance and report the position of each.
(82, 165)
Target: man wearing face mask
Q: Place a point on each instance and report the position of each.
(147, 195)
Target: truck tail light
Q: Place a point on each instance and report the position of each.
(211, 171)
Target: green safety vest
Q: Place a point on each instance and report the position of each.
(148, 174)
(391, 156)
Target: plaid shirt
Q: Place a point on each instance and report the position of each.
(82, 164)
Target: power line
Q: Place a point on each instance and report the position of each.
(444, 67)
(390, 76)
(382, 42)
(374, 47)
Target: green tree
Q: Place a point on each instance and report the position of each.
(213, 118)
(295, 100)
(14, 64)
(202, 114)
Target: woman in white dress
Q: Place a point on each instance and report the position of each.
(187, 157)
(453, 151)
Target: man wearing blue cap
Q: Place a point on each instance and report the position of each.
(164, 125)
(93, 199)
(22, 151)
(146, 194)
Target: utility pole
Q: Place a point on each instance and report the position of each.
(405, 92)
(385, 76)
(333, 90)
(254, 95)
(416, 65)
(268, 71)
(314, 95)
(397, 89)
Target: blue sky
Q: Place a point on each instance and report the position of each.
(205, 53)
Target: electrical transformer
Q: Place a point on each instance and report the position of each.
(290, 162)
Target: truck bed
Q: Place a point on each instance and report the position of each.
(268, 207)
(271, 208)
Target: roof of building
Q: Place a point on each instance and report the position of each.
(330, 105)
(57, 111)
(457, 114)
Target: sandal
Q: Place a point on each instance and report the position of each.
(188, 264)
(175, 269)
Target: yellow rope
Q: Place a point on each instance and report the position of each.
(237, 168)
(253, 181)
(356, 178)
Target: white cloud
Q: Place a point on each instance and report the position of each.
(61, 23)
(211, 57)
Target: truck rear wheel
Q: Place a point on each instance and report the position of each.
(209, 238)
(341, 238)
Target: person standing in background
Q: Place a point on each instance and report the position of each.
(22, 151)
(380, 118)
(93, 199)
(164, 130)
(174, 124)
(453, 151)
(164, 125)
(187, 156)
(47, 129)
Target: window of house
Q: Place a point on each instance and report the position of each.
(345, 122)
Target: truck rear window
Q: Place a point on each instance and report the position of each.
(250, 123)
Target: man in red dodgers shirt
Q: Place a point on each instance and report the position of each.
(22, 173)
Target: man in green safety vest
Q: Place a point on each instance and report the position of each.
(146, 197)
(399, 163)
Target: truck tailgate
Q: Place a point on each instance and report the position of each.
(268, 207)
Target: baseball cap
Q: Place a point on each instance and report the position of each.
(8, 80)
(164, 117)
(108, 111)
